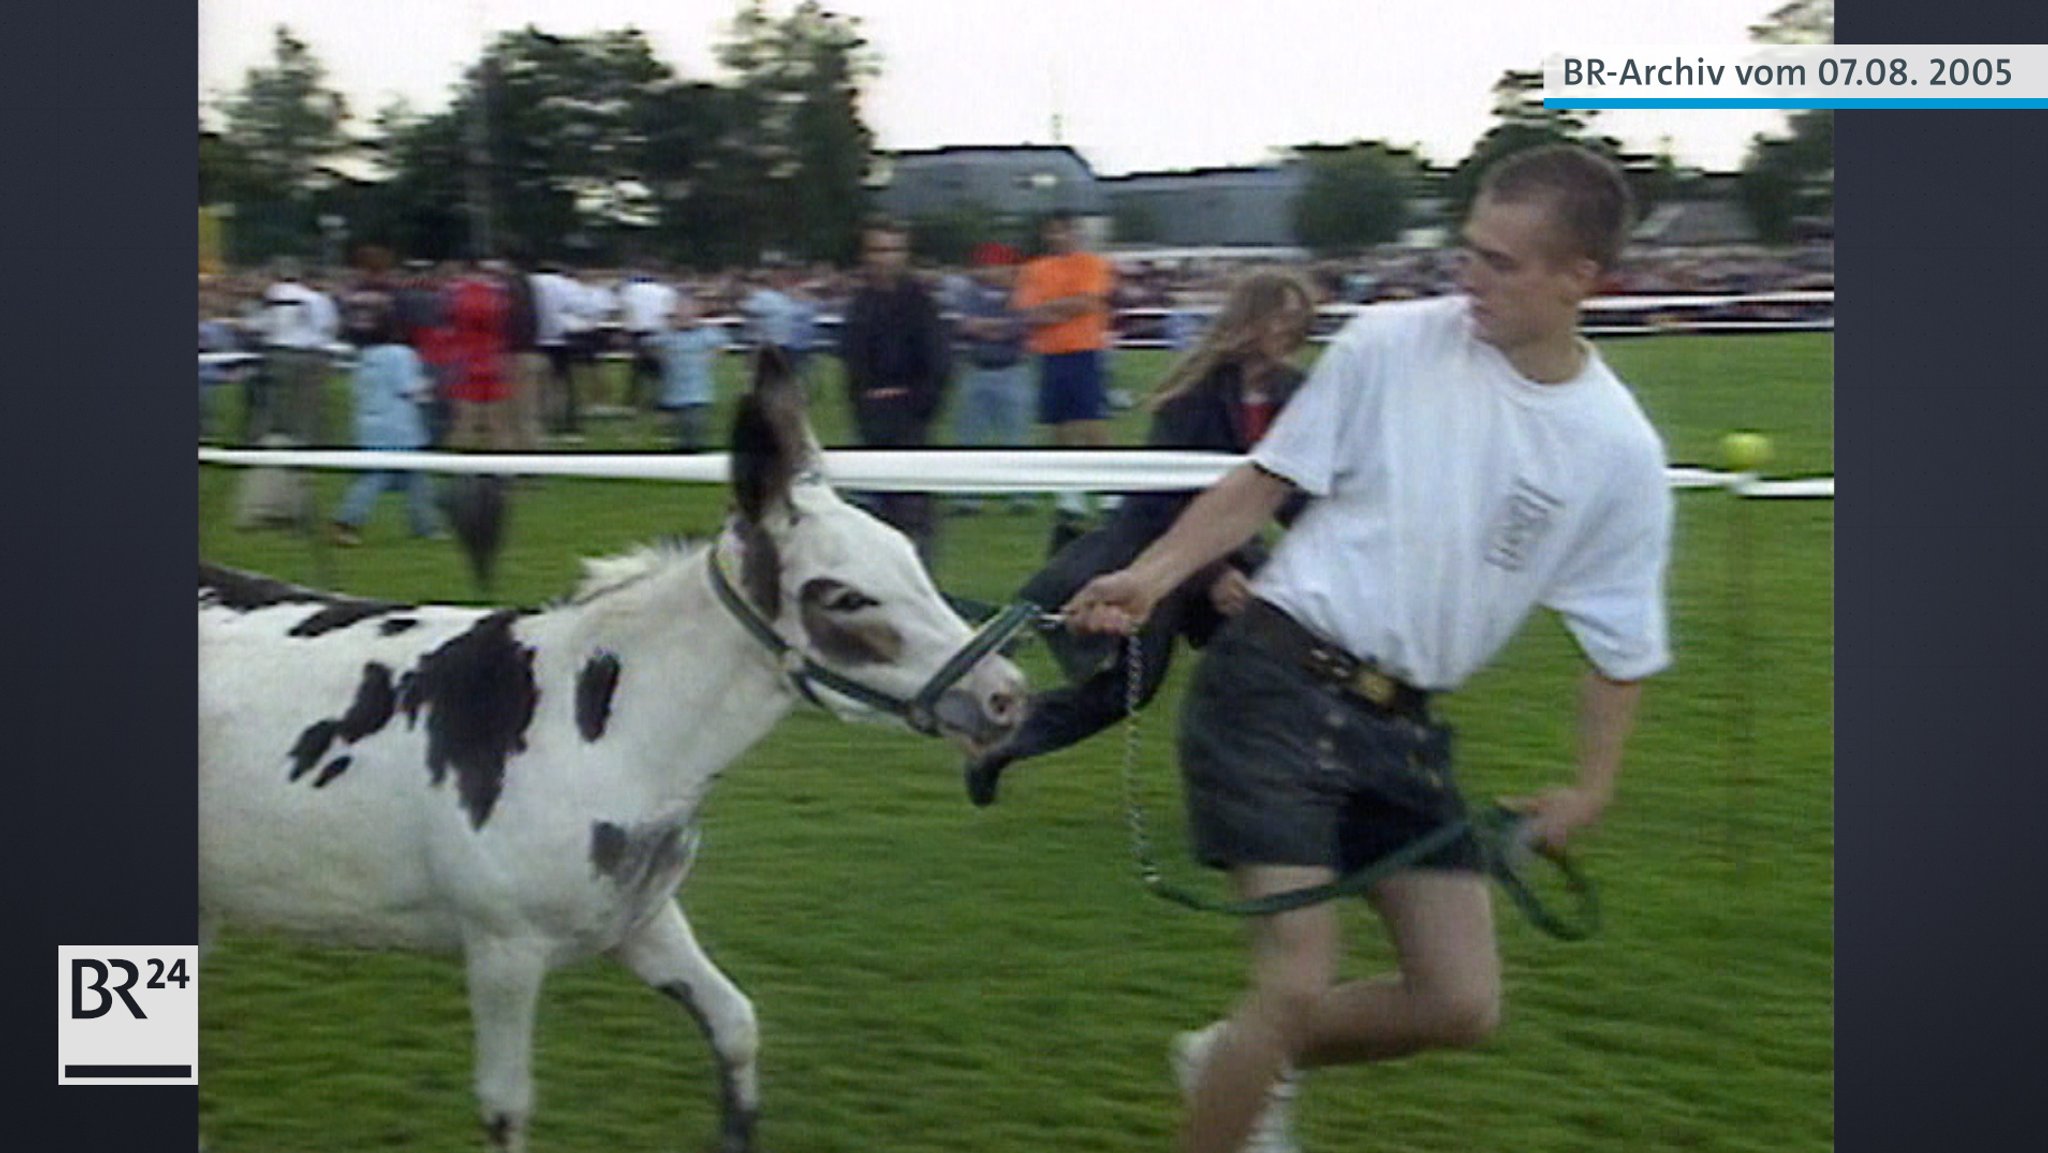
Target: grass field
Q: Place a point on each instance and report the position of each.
(933, 977)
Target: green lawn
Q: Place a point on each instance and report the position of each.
(933, 977)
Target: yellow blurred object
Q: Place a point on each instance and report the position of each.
(212, 231)
(1745, 451)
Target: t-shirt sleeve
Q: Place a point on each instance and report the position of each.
(1611, 595)
(1306, 445)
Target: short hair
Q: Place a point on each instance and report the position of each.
(1588, 197)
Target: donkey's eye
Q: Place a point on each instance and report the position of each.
(847, 600)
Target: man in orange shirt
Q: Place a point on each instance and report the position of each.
(1064, 298)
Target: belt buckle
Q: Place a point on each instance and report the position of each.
(1331, 664)
(1374, 686)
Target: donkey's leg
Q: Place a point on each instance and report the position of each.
(665, 954)
(504, 989)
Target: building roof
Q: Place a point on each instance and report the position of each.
(1696, 222)
(1016, 180)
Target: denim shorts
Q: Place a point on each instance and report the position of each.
(1283, 768)
(1071, 387)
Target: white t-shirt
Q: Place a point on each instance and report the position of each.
(647, 305)
(296, 316)
(1456, 495)
(557, 308)
(600, 305)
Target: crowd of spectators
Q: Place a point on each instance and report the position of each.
(509, 353)
(582, 314)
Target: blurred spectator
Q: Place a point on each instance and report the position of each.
(1184, 325)
(1220, 396)
(897, 358)
(1065, 298)
(423, 320)
(605, 334)
(479, 346)
(770, 313)
(803, 330)
(216, 335)
(689, 352)
(299, 323)
(994, 405)
(390, 385)
(645, 305)
(559, 325)
(525, 362)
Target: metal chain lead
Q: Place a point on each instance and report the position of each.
(1134, 808)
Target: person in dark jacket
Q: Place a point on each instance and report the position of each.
(1222, 396)
(898, 362)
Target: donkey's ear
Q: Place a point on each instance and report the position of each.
(779, 387)
(771, 439)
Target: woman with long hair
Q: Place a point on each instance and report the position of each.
(1222, 396)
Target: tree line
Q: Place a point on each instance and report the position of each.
(592, 150)
(588, 149)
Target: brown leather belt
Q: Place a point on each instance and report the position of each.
(1279, 634)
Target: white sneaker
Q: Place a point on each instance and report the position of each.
(1272, 1131)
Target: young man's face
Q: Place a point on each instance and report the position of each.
(886, 254)
(1524, 281)
(1059, 236)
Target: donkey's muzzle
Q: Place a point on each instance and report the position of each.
(986, 707)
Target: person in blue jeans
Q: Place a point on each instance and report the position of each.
(997, 392)
(390, 386)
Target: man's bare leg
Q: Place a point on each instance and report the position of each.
(1447, 993)
(1294, 963)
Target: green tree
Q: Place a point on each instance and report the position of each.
(1790, 178)
(1355, 196)
(421, 198)
(1522, 122)
(590, 148)
(286, 123)
(223, 173)
(1798, 22)
(564, 141)
(800, 145)
(283, 131)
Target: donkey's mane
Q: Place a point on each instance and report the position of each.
(603, 575)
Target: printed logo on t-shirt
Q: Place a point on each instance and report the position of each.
(1527, 515)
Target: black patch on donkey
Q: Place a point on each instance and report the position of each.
(246, 592)
(371, 710)
(594, 688)
(482, 695)
(642, 858)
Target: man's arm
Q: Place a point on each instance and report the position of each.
(1607, 713)
(1221, 519)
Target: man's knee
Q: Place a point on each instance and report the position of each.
(1465, 1017)
(1286, 1008)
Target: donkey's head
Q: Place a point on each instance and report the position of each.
(846, 590)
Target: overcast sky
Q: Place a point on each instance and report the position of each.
(1138, 85)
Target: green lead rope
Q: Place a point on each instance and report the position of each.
(1498, 832)
(1501, 834)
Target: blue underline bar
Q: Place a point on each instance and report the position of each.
(1598, 103)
